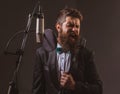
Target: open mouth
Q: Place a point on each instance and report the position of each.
(73, 36)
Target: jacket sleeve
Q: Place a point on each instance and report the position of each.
(92, 83)
(38, 76)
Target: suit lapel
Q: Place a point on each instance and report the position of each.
(53, 66)
(77, 66)
(74, 64)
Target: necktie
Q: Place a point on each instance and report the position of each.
(59, 50)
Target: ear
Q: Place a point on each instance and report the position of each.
(58, 27)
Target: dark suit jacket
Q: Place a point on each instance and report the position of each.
(83, 70)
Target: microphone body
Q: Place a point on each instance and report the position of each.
(39, 26)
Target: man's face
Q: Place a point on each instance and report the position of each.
(69, 32)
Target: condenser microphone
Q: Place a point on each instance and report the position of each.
(39, 25)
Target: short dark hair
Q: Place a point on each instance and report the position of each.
(68, 12)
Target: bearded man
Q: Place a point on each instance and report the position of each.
(62, 66)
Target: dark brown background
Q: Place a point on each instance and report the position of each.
(101, 28)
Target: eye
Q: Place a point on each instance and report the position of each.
(77, 26)
(69, 25)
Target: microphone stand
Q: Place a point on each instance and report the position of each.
(12, 89)
(12, 85)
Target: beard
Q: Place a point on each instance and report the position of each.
(68, 41)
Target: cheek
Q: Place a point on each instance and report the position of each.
(79, 32)
(64, 29)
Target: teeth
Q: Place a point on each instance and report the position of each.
(72, 34)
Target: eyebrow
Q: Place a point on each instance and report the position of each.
(72, 23)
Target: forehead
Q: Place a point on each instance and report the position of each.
(69, 19)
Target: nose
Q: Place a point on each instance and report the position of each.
(74, 28)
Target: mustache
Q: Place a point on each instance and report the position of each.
(73, 34)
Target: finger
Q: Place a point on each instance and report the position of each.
(64, 79)
(62, 82)
(64, 75)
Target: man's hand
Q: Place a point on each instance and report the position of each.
(67, 81)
